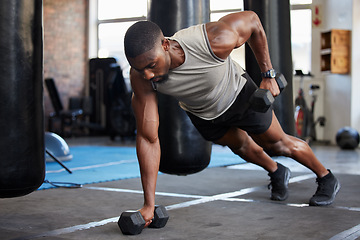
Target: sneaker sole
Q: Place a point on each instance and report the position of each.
(286, 183)
(325, 203)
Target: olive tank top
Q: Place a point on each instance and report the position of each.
(204, 84)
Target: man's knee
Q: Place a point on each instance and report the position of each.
(239, 142)
(286, 146)
(248, 147)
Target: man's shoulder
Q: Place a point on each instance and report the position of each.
(193, 39)
(189, 31)
(139, 85)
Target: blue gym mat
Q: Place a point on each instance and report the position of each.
(93, 164)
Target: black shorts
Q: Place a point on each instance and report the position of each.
(238, 115)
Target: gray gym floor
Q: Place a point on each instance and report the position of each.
(217, 203)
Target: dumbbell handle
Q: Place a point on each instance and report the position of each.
(160, 217)
(281, 81)
(159, 220)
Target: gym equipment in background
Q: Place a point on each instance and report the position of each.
(67, 117)
(183, 149)
(111, 99)
(122, 119)
(301, 109)
(305, 123)
(347, 138)
(56, 149)
(22, 163)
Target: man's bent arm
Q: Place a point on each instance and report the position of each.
(232, 31)
(145, 107)
(248, 26)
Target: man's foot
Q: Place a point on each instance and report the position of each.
(328, 187)
(279, 183)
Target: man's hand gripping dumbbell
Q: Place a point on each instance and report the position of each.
(262, 99)
(132, 222)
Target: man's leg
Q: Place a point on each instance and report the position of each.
(275, 140)
(244, 146)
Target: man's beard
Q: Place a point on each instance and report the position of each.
(160, 79)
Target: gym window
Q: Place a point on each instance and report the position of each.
(113, 18)
(301, 35)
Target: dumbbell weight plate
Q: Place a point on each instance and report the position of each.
(131, 222)
(261, 100)
(160, 217)
(281, 81)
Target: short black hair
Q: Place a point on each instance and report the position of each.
(140, 38)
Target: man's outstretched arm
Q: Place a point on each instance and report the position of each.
(144, 103)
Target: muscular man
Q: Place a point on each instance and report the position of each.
(194, 66)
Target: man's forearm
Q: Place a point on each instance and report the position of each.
(259, 45)
(149, 159)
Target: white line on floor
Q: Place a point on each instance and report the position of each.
(72, 229)
(301, 178)
(204, 199)
(350, 234)
(213, 198)
(93, 166)
(141, 192)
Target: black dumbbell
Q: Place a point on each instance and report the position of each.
(132, 222)
(262, 99)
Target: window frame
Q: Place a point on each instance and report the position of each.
(294, 7)
(94, 30)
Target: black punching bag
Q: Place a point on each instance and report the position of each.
(275, 18)
(183, 150)
(22, 164)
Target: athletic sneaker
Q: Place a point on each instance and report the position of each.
(328, 187)
(279, 183)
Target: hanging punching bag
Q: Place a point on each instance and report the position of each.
(22, 164)
(275, 18)
(183, 150)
